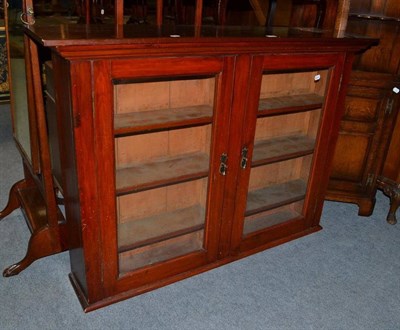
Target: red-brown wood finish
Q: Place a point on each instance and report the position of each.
(88, 65)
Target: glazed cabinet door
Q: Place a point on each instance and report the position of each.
(290, 111)
(161, 138)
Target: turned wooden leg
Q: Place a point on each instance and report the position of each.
(39, 246)
(13, 201)
(392, 190)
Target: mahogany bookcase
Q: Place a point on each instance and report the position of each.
(159, 152)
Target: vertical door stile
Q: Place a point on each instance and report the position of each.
(244, 109)
(327, 137)
(219, 177)
(86, 131)
(104, 152)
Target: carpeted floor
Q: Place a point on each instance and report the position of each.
(346, 276)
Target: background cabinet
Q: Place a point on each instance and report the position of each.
(372, 105)
(365, 131)
(4, 79)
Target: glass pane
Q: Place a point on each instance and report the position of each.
(18, 77)
(4, 81)
(289, 115)
(162, 148)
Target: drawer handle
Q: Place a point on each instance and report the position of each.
(25, 15)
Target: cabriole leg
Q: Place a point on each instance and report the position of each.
(392, 190)
(39, 246)
(13, 201)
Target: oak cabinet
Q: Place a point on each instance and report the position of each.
(372, 104)
(174, 155)
(365, 131)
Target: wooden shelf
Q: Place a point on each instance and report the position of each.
(149, 121)
(269, 220)
(141, 232)
(160, 251)
(289, 103)
(34, 207)
(371, 16)
(274, 196)
(282, 148)
(161, 172)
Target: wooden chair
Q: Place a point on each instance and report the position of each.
(214, 9)
(320, 6)
(85, 9)
(119, 12)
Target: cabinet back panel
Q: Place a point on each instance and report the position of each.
(306, 167)
(293, 83)
(145, 147)
(156, 201)
(145, 96)
(320, 85)
(301, 123)
(280, 172)
(314, 118)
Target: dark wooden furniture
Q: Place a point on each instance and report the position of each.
(366, 128)
(314, 10)
(372, 106)
(389, 180)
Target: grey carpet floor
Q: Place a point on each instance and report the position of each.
(346, 276)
